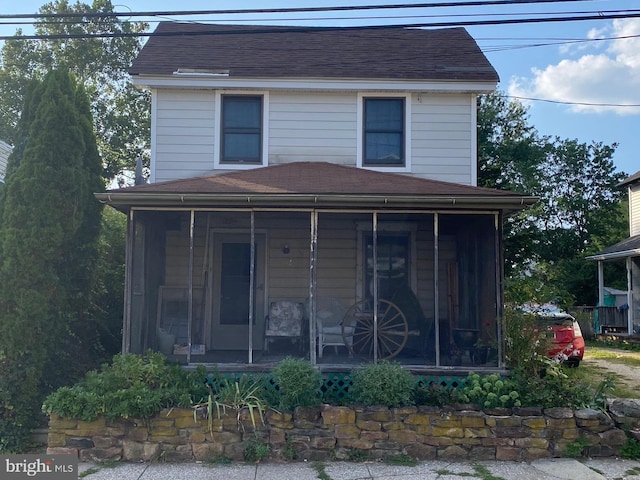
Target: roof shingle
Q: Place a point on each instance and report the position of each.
(314, 52)
(320, 178)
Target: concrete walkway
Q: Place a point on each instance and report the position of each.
(547, 469)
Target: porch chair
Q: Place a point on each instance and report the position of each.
(285, 320)
(329, 317)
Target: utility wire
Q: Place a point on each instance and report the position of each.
(261, 29)
(469, 3)
(361, 17)
(586, 104)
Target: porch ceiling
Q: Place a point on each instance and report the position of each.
(314, 185)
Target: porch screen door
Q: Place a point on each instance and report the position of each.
(231, 287)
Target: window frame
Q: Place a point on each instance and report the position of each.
(361, 162)
(219, 162)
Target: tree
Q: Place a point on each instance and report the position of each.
(48, 246)
(121, 113)
(579, 208)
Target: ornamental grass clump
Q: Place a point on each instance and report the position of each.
(383, 383)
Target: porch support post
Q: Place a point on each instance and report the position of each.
(192, 221)
(313, 258)
(375, 286)
(126, 314)
(499, 285)
(601, 282)
(629, 264)
(436, 285)
(252, 273)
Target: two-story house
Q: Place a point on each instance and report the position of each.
(313, 193)
(626, 320)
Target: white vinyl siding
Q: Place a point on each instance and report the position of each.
(634, 209)
(314, 126)
(5, 151)
(443, 138)
(184, 134)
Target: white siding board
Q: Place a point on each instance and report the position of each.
(634, 207)
(313, 126)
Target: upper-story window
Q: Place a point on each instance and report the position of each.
(383, 131)
(241, 129)
(384, 128)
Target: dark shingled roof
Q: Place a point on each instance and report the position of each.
(629, 180)
(320, 178)
(314, 52)
(623, 248)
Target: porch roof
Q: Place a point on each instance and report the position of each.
(314, 184)
(626, 248)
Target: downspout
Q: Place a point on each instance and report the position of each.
(436, 285)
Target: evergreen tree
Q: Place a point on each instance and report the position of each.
(48, 244)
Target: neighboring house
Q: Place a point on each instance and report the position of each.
(623, 319)
(313, 193)
(5, 151)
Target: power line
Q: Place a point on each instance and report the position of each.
(262, 29)
(586, 104)
(468, 3)
(366, 17)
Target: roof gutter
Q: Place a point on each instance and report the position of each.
(615, 255)
(194, 199)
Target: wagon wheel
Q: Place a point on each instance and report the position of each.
(357, 329)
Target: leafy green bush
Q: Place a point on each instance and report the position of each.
(490, 391)
(554, 389)
(299, 383)
(526, 344)
(383, 383)
(131, 386)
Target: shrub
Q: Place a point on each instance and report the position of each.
(436, 395)
(383, 383)
(490, 391)
(131, 386)
(526, 345)
(299, 383)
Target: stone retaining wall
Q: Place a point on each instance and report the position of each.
(328, 432)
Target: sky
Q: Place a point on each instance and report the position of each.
(595, 76)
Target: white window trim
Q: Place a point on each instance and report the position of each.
(218, 132)
(407, 132)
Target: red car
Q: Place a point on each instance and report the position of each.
(568, 343)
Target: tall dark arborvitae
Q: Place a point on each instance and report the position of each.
(48, 233)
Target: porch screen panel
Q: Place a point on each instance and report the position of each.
(147, 269)
(285, 325)
(339, 283)
(468, 289)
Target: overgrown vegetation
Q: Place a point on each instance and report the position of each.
(131, 386)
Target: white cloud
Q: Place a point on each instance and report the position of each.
(608, 77)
